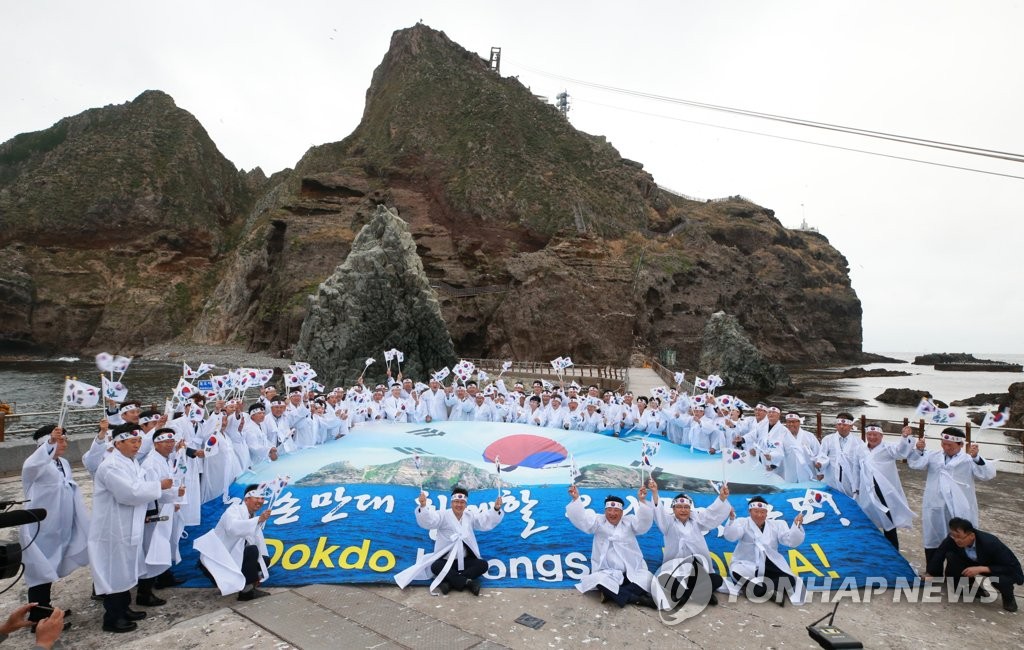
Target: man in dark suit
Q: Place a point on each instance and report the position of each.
(973, 554)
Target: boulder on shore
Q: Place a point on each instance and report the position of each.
(903, 396)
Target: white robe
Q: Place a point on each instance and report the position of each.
(120, 497)
(614, 546)
(299, 418)
(683, 540)
(949, 490)
(878, 465)
(56, 546)
(453, 535)
(256, 442)
(755, 546)
(221, 550)
(835, 455)
(160, 540)
(435, 405)
(792, 455)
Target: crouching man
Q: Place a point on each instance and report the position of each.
(234, 555)
(455, 562)
(617, 566)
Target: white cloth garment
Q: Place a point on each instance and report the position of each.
(453, 536)
(58, 545)
(221, 549)
(949, 490)
(120, 497)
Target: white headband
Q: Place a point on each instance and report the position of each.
(613, 505)
(128, 407)
(682, 501)
(134, 433)
(458, 496)
(792, 416)
(257, 494)
(774, 409)
(843, 421)
(757, 505)
(163, 437)
(872, 429)
(952, 438)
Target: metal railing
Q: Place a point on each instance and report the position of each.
(605, 376)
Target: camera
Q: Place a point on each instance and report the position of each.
(10, 552)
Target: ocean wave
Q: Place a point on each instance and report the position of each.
(66, 359)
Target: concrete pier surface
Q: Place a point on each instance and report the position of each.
(384, 616)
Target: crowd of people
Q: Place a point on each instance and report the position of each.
(152, 472)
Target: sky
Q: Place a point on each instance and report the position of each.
(934, 251)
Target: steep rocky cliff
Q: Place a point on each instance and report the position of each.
(540, 240)
(111, 223)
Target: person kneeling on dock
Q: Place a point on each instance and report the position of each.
(617, 567)
(455, 562)
(233, 555)
(756, 562)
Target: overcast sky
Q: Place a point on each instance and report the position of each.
(935, 253)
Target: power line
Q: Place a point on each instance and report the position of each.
(817, 144)
(881, 135)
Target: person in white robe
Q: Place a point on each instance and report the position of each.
(163, 520)
(397, 408)
(593, 420)
(58, 544)
(194, 428)
(949, 488)
(436, 401)
(484, 411)
(839, 458)
(790, 452)
(300, 418)
(233, 554)
(756, 563)
(556, 415)
(221, 464)
(463, 407)
(704, 434)
(280, 435)
(533, 415)
(684, 528)
(881, 494)
(617, 567)
(261, 449)
(456, 562)
(120, 497)
(233, 430)
(750, 431)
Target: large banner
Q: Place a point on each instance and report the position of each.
(347, 514)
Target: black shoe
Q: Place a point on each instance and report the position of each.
(646, 601)
(713, 601)
(132, 615)
(252, 594)
(444, 588)
(1010, 603)
(473, 586)
(149, 600)
(169, 582)
(121, 625)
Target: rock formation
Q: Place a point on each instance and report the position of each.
(114, 221)
(540, 240)
(378, 299)
(902, 396)
(728, 352)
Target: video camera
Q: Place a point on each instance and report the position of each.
(10, 552)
